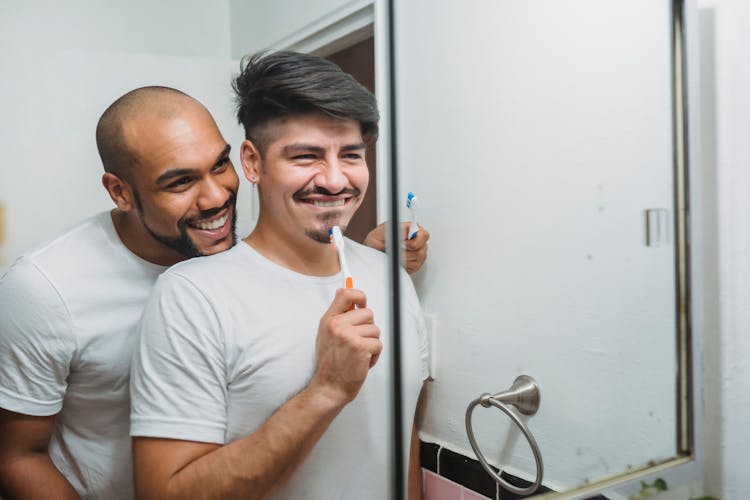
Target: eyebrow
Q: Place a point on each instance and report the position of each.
(177, 172)
(302, 147)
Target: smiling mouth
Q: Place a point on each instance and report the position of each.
(209, 225)
(327, 204)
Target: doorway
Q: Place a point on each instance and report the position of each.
(359, 61)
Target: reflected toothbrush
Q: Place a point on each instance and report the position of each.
(411, 204)
(337, 242)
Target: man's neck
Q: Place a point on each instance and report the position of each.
(303, 255)
(137, 239)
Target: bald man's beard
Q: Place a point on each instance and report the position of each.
(183, 244)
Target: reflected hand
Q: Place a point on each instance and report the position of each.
(415, 249)
(347, 346)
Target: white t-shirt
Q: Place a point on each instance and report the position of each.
(227, 339)
(68, 316)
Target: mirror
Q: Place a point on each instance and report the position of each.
(540, 139)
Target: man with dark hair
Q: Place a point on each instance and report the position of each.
(280, 87)
(69, 308)
(244, 398)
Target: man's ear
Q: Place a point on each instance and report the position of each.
(251, 161)
(119, 190)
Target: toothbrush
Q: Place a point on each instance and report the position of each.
(337, 242)
(411, 204)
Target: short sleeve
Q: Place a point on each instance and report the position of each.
(178, 375)
(36, 342)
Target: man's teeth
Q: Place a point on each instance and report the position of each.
(216, 224)
(337, 203)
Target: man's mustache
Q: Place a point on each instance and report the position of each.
(207, 214)
(302, 193)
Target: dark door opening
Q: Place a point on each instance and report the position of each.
(359, 61)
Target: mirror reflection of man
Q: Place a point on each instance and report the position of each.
(239, 388)
(68, 309)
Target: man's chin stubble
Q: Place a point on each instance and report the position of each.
(328, 219)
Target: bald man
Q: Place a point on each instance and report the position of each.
(68, 309)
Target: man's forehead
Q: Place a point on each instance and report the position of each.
(154, 113)
(161, 127)
(316, 129)
(178, 144)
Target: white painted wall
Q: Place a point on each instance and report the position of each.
(725, 101)
(191, 28)
(258, 24)
(62, 64)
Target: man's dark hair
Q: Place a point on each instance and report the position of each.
(272, 87)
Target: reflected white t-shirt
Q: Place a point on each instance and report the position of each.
(227, 339)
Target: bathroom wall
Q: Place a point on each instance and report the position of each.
(259, 24)
(62, 64)
(725, 103)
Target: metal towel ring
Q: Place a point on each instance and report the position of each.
(524, 395)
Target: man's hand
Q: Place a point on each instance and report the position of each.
(348, 345)
(416, 249)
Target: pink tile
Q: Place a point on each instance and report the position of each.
(439, 488)
(473, 495)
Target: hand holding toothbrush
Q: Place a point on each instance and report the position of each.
(354, 345)
(347, 346)
(337, 241)
(415, 252)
